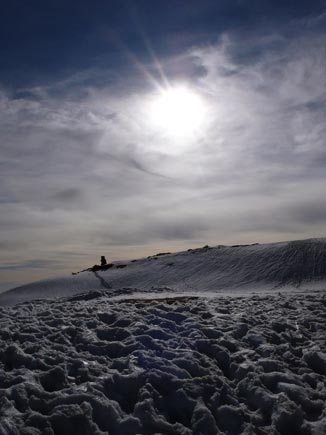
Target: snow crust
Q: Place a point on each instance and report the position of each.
(89, 365)
(268, 267)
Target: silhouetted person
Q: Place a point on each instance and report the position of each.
(103, 260)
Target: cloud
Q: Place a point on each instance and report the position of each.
(30, 264)
(309, 212)
(67, 195)
(83, 170)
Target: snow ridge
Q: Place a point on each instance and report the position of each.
(296, 264)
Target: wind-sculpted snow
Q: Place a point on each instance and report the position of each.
(208, 269)
(88, 365)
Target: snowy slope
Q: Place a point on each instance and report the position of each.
(296, 264)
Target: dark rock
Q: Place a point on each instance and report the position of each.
(103, 260)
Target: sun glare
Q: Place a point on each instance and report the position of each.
(177, 111)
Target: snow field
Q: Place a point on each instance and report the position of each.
(267, 267)
(179, 366)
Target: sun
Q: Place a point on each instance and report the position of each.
(178, 111)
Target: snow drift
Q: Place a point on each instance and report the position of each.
(296, 264)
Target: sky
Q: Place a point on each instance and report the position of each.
(91, 165)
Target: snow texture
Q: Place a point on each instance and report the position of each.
(241, 268)
(89, 365)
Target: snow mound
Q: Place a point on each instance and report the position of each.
(296, 264)
(179, 366)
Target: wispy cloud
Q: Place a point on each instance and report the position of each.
(83, 170)
(31, 264)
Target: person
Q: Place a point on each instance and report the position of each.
(103, 260)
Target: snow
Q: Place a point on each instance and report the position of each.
(237, 269)
(222, 340)
(179, 366)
